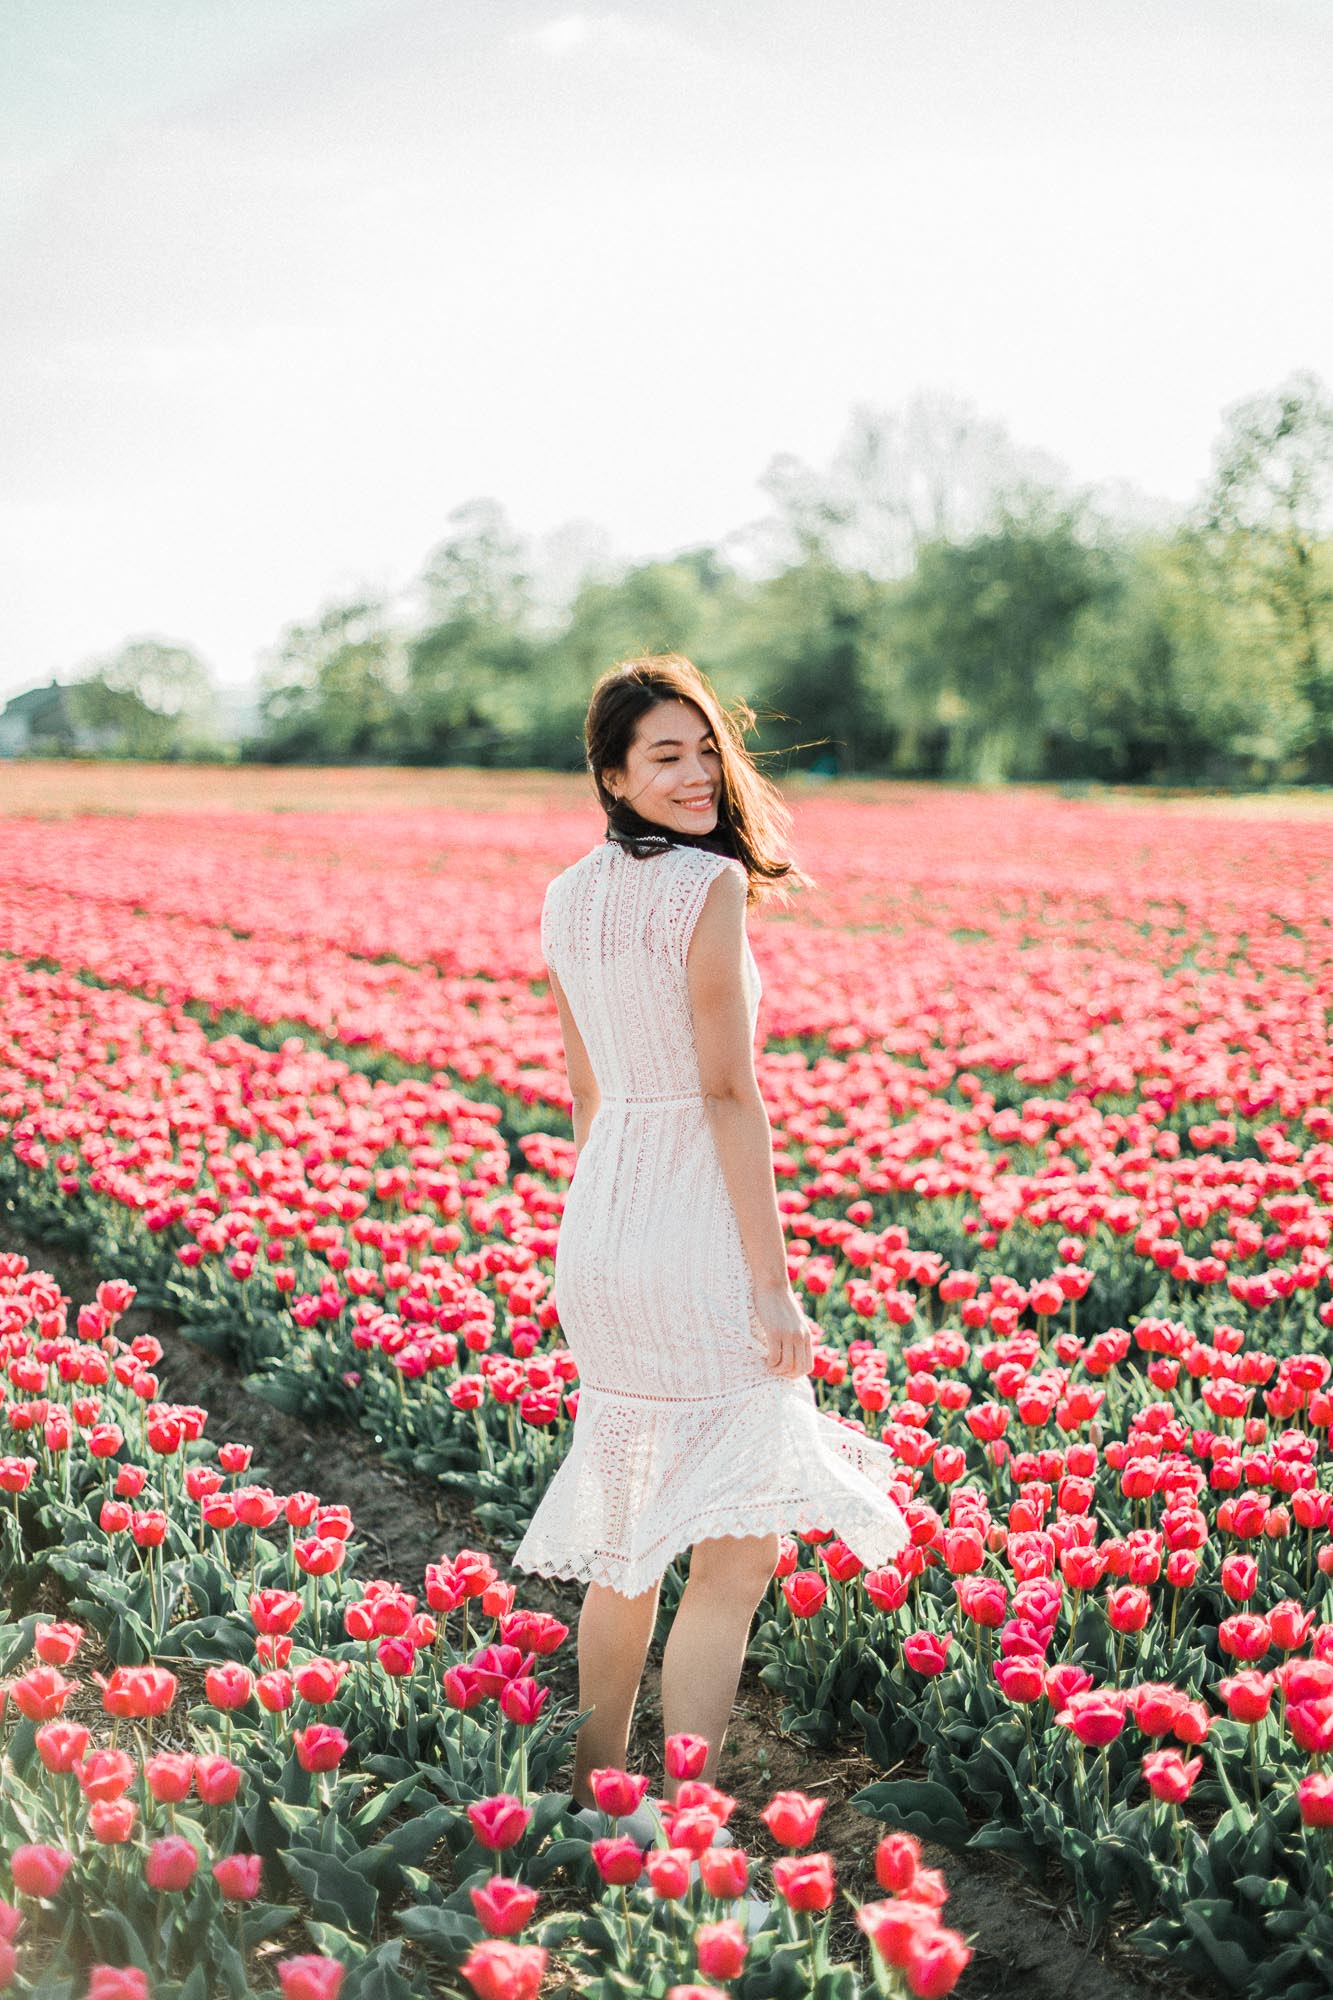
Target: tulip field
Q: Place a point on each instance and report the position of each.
(1051, 1089)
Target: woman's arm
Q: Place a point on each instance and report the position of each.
(582, 1082)
(735, 1112)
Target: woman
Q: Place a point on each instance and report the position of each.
(696, 1427)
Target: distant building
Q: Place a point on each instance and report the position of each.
(42, 722)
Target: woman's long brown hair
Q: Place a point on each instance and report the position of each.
(753, 818)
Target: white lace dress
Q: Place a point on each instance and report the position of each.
(683, 1432)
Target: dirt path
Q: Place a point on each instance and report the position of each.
(1024, 1941)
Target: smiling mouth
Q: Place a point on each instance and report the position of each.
(696, 805)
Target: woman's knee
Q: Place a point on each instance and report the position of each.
(740, 1564)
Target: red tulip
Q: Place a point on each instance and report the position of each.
(1022, 1678)
(216, 1780)
(499, 1969)
(317, 1556)
(41, 1693)
(117, 1982)
(805, 1881)
(1244, 1636)
(1311, 1725)
(1096, 1716)
(138, 1692)
(1192, 1723)
(523, 1699)
(309, 1976)
(724, 1871)
(982, 1599)
(319, 1680)
(111, 1821)
(936, 1959)
(1169, 1776)
(238, 1876)
(964, 1551)
(229, 1686)
(1315, 1794)
(927, 1887)
(105, 1774)
(1128, 1609)
(256, 1506)
(792, 1818)
(56, 1645)
(1248, 1695)
(398, 1658)
(321, 1747)
(498, 1822)
(276, 1691)
(685, 1755)
(891, 1926)
(618, 1859)
(1240, 1577)
(805, 1592)
(897, 1862)
(886, 1588)
(60, 1745)
(503, 1906)
(617, 1793)
(38, 1870)
(171, 1863)
(275, 1610)
(169, 1776)
(1289, 1624)
(721, 1948)
(148, 1530)
(1156, 1705)
(668, 1869)
(927, 1652)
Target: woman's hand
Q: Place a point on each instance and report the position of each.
(789, 1330)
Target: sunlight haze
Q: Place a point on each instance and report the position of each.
(285, 284)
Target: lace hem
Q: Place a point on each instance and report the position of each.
(631, 1578)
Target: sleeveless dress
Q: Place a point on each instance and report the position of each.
(682, 1432)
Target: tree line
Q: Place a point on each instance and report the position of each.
(933, 603)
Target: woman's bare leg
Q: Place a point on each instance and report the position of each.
(612, 1643)
(705, 1648)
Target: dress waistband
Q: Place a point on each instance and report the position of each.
(678, 1097)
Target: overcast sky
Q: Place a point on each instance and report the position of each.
(283, 282)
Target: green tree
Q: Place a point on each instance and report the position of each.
(933, 470)
(331, 689)
(1268, 514)
(682, 604)
(468, 666)
(158, 697)
(1159, 680)
(812, 655)
(981, 623)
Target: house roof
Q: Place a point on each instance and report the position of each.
(36, 703)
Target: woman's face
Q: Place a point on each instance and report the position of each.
(673, 772)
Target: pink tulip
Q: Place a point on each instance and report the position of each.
(38, 1869)
(310, 1977)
